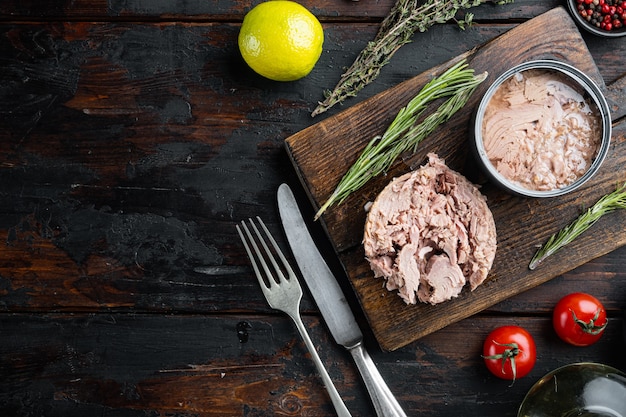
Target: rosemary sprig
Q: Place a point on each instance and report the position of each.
(404, 134)
(404, 19)
(610, 202)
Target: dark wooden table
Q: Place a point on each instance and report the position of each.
(132, 139)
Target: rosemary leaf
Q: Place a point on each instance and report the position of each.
(405, 18)
(610, 202)
(404, 133)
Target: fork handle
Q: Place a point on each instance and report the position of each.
(340, 407)
(383, 400)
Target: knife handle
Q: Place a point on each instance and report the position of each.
(383, 400)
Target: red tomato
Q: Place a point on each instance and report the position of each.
(579, 319)
(509, 352)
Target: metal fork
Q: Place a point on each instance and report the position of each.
(284, 294)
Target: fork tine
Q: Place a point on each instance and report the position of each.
(265, 282)
(252, 242)
(269, 255)
(255, 267)
(272, 259)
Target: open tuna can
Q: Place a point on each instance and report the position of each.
(542, 129)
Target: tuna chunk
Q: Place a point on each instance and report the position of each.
(443, 280)
(540, 132)
(428, 233)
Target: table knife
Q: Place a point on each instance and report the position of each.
(332, 303)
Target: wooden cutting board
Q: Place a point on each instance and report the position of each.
(323, 152)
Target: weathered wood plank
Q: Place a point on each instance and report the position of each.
(326, 10)
(137, 365)
(128, 152)
(132, 139)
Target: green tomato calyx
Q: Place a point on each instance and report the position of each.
(590, 326)
(508, 354)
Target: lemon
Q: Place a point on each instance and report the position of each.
(281, 40)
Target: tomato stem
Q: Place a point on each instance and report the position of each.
(590, 327)
(507, 354)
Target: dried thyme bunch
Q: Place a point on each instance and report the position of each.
(405, 18)
(404, 134)
(610, 202)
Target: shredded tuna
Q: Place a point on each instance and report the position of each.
(539, 132)
(428, 233)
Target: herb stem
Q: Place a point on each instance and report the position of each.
(404, 133)
(610, 202)
(404, 19)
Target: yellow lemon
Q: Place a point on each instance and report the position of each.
(281, 40)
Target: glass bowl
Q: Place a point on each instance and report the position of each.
(579, 389)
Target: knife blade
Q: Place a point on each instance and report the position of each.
(332, 302)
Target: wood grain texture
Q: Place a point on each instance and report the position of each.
(222, 10)
(322, 152)
(132, 139)
(129, 150)
(138, 365)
